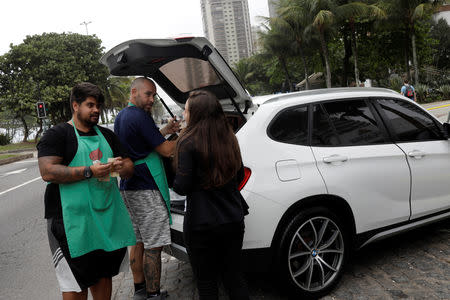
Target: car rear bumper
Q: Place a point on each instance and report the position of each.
(253, 260)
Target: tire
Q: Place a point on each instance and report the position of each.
(313, 251)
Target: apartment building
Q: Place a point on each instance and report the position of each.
(226, 24)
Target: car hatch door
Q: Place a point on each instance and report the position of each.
(179, 66)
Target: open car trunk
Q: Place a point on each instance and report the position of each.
(180, 66)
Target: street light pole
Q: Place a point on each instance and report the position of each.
(86, 25)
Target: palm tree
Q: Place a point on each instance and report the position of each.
(353, 13)
(294, 19)
(116, 95)
(323, 18)
(407, 13)
(276, 42)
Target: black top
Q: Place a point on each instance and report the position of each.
(60, 140)
(206, 208)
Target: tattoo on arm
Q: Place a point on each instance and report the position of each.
(152, 269)
(53, 171)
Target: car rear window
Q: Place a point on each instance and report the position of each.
(189, 73)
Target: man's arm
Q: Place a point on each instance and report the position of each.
(167, 148)
(53, 171)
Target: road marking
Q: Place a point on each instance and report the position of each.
(20, 185)
(436, 107)
(14, 172)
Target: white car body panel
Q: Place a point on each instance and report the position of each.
(430, 176)
(375, 181)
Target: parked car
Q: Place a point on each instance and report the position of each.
(327, 171)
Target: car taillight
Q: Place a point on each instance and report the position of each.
(247, 173)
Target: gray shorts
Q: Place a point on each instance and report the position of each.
(150, 218)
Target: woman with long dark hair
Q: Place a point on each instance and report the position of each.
(208, 170)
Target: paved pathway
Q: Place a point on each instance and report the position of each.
(414, 265)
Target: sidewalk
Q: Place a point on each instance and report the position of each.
(176, 278)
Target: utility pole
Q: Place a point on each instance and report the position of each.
(86, 24)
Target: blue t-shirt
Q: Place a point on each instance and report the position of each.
(403, 91)
(139, 135)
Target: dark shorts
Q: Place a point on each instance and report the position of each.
(77, 274)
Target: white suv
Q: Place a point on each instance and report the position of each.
(327, 171)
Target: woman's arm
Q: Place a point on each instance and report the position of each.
(184, 177)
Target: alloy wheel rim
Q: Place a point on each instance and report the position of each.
(316, 254)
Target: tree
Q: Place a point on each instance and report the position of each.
(294, 19)
(407, 13)
(54, 63)
(441, 33)
(352, 14)
(322, 21)
(255, 75)
(117, 92)
(277, 42)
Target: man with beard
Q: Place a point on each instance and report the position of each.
(146, 193)
(89, 227)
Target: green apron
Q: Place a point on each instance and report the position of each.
(94, 214)
(156, 167)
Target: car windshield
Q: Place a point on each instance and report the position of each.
(189, 73)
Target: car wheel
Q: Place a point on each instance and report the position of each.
(312, 252)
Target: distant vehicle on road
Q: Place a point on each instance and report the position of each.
(327, 170)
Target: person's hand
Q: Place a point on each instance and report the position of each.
(101, 170)
(117, 165)
(172, 126)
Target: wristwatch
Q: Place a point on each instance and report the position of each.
(87, 172)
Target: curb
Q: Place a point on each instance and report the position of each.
(18, 150)
(15, 158)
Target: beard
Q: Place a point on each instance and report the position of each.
(87, 120)
(146, 108)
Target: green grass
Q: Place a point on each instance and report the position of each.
(18, 146)
(3, 156)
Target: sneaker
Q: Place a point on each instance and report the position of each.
(140, 294)
(162, 296)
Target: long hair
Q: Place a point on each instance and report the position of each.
(212, 138)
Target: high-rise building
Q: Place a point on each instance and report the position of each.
(273, 8)
(226, 24)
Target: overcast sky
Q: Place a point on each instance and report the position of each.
(112, 21)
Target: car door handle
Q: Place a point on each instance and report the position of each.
(416, 154)
(334, 158)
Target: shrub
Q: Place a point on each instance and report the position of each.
(4, 139)
(395, 83)
(445, 90)
(422, 93)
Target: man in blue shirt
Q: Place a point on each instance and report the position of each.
(408, 90)
(145, 193)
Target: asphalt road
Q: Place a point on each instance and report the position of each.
(26, 270)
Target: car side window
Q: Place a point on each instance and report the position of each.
(290, 126)
(353, 122)
(323, 134)
(409, 122)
